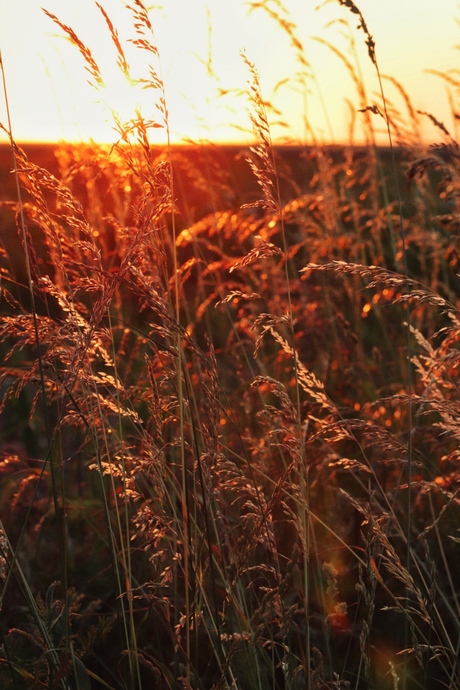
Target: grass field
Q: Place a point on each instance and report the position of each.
(229, 394)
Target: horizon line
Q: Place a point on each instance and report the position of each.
(203, 142)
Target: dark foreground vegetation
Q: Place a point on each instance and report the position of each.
(229, 396)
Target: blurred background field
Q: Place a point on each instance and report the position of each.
(229, 406)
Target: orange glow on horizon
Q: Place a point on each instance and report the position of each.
(303, 59)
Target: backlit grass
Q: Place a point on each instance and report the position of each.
(229, 411)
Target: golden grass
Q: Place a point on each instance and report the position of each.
(230, 438)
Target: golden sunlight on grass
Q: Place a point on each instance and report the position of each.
(229, 375)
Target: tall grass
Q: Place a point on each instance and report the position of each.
(229, 437)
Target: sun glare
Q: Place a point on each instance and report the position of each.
(305, 57)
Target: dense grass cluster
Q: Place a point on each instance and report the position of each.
(229, 437)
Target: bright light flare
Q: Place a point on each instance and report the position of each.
(200, 44)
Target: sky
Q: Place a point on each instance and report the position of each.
(206, 78)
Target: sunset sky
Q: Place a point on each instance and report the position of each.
(200, 44)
